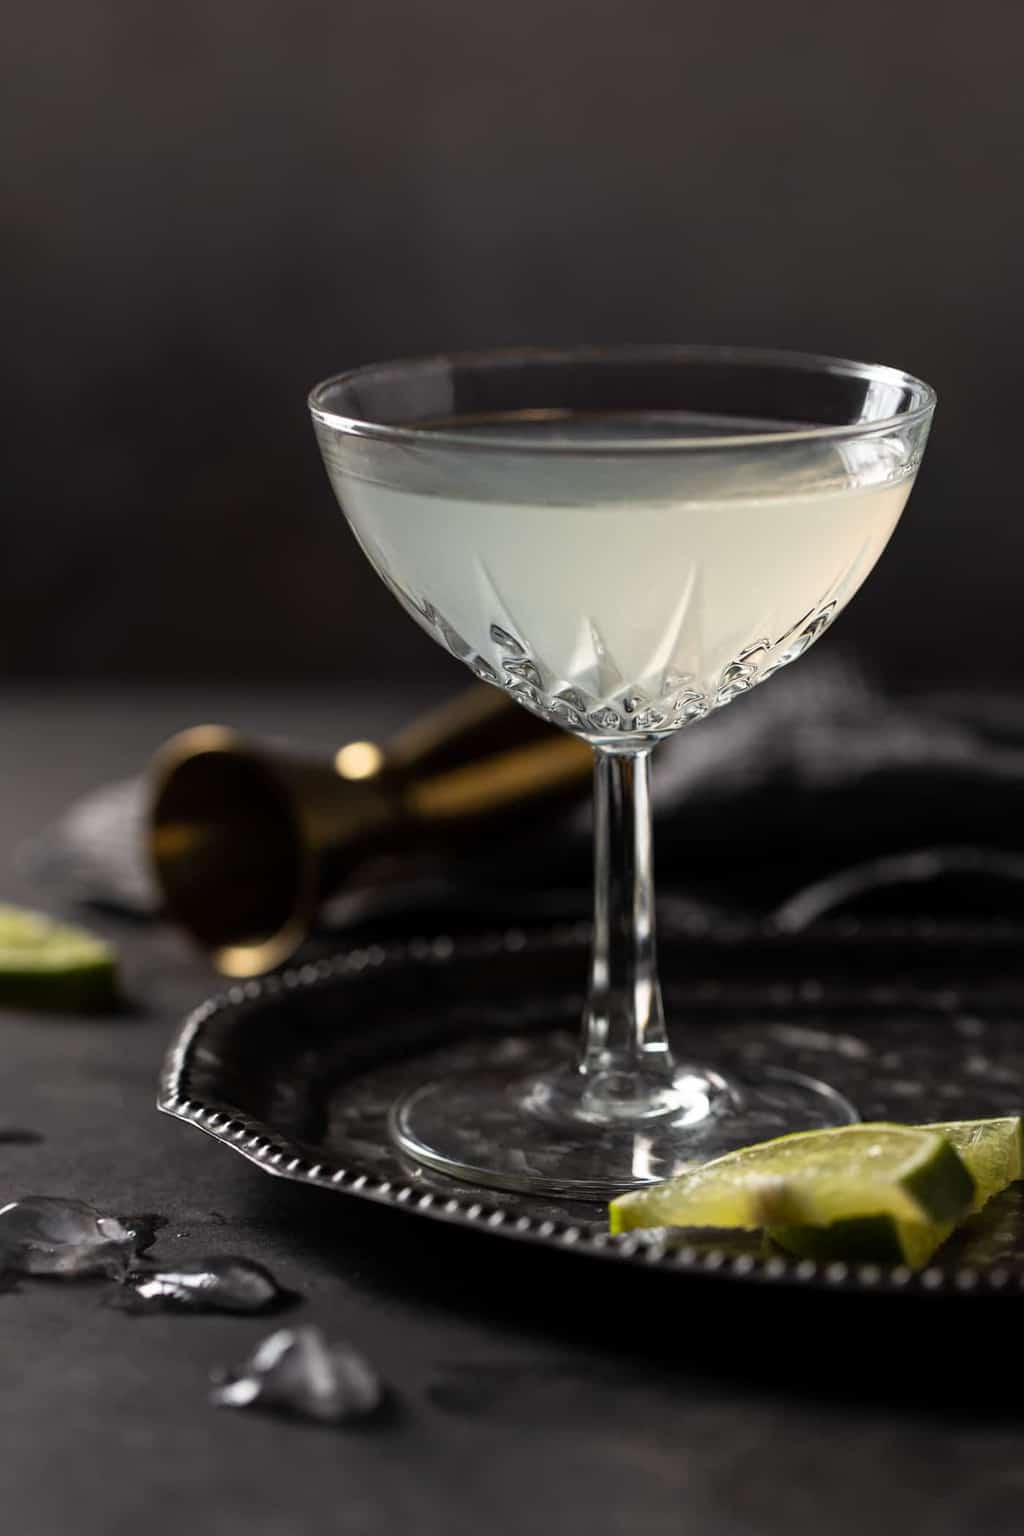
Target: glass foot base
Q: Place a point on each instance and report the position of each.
(557, 1132)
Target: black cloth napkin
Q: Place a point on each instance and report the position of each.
(813, 796)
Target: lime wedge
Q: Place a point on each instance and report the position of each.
(814, 1178)
(993, 1153)
(883, 1229)
(44, 964)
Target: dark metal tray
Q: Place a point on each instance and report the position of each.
(297, 1071)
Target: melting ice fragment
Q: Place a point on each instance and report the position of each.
(296, 1371)
(41, 1235)
(224, 1284)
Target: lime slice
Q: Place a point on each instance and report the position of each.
(44, 964)
(814, 1178)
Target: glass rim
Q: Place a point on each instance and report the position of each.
(797, 361)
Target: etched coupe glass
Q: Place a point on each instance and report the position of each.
(624, 539)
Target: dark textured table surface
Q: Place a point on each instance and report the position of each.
(532, 1391)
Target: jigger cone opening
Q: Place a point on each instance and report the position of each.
(228, 851)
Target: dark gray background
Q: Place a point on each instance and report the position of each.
(209, 205)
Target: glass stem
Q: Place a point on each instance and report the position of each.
(624, 1023)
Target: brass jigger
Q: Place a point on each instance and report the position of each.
(247, 841)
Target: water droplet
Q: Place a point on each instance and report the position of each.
(296, 1371)
(40, 1235)
(224, 1284)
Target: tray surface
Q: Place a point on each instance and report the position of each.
(297, 1072)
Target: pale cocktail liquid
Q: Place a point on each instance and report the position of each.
(627, 593)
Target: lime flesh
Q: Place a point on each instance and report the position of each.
(44, 964)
